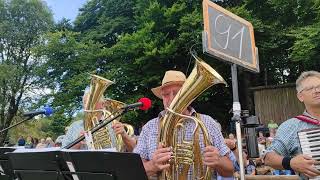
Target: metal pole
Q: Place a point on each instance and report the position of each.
(28, 118)
(95, 129)
(236, 108)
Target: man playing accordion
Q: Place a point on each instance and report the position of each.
(285, 151)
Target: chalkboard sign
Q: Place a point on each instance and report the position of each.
(229, 37)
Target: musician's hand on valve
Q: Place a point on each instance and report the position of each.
(304, 164)
(161, 157)
(118, 128)
(211, 157)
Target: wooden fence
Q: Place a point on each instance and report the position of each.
(277, 103)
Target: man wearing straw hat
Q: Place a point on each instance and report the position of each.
(156, 158)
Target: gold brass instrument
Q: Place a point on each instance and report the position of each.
(187, 153)
(105, 137)
(111, 106)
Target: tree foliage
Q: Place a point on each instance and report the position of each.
(134, 42)
(22, 24)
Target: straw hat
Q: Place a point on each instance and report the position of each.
(170, 77)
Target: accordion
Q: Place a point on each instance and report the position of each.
(310, 145)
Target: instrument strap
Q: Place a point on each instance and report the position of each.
(308, 119)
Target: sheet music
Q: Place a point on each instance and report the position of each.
(90, 150)
(12, 147)
(23, 150)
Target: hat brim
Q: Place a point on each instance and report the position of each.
(157, 90)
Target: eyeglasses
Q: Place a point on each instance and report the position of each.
(311, 88)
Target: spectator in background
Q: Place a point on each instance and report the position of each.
(272, 129)
(249, 166)
(261, 143)
(58, 142)
(49, 142)
(271, 137)
(35, 142)
(21, 141)
(6, 144)
(29, 143)
(42, 144)
(261, 138)
(232, 138)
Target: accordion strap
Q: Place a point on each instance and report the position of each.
(308, 119)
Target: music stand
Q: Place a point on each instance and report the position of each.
(97, 165)
(7, 172)
(39, 165)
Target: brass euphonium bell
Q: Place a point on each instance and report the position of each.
(105, 137)
(185, 153)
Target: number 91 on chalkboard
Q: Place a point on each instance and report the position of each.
(228, 37)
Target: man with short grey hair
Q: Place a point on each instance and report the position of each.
(285, 151)
(303, 76)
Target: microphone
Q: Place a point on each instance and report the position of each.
(143, 104)
(46, 111)
(29, 115)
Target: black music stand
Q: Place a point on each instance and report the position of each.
(39, 165)
(5, 164)
(97, 165)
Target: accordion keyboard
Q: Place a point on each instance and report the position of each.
(310, 145)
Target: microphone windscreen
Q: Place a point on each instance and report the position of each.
(146, 103)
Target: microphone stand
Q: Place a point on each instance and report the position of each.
(28, 118)
(95, 129)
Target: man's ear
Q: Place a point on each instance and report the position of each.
(300, 97)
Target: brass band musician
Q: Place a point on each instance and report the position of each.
(156, 158)
(77, 128)
(285, 151)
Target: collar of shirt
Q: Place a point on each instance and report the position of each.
(307, 114)
(191, 109)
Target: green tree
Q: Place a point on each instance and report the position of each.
(134, 42)
(22, 23)
(74, 52)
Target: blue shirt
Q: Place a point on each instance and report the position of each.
(286, 141)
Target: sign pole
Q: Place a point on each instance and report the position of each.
(236, 108)
(230, 38)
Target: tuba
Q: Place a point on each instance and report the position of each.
(187, 153)
(104, 137)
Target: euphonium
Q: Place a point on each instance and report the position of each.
(103, 138)
(111, 106)
(185, 153)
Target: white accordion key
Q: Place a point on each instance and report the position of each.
(310, 145)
